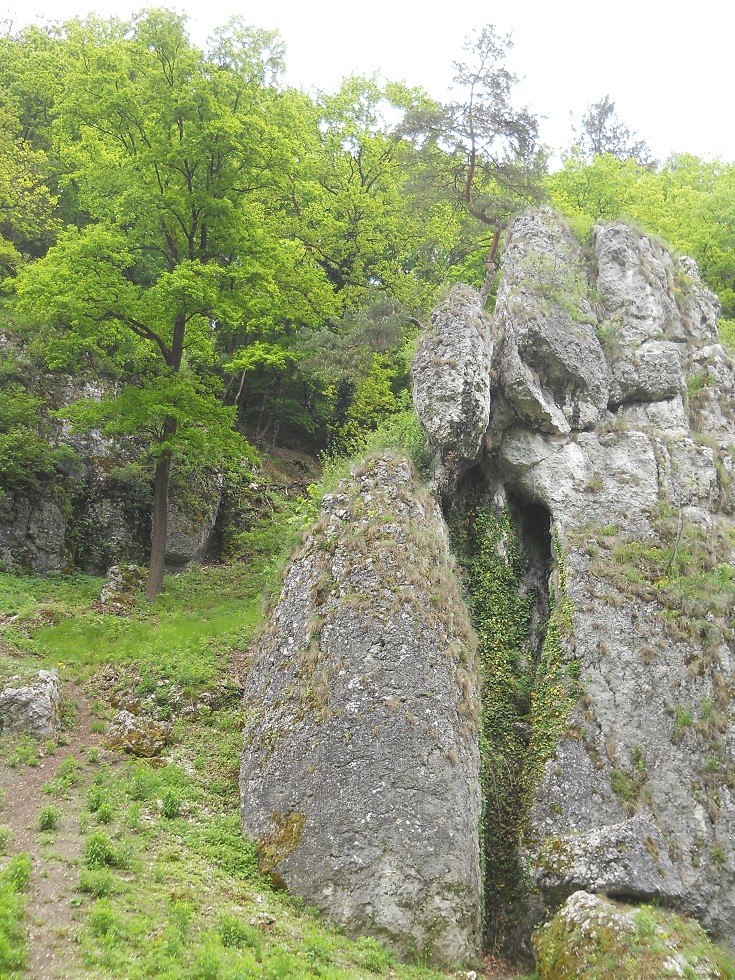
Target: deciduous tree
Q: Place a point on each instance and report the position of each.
(175, 157)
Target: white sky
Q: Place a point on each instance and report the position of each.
(667, 67)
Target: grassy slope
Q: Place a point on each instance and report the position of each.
(168, 887)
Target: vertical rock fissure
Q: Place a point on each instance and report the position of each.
(506, 551)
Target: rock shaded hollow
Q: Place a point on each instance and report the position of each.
(359, 777)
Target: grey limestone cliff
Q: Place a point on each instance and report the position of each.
(584, 442)
(612, 411)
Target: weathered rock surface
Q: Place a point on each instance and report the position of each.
(191, 519)
(451, 388)
(96, 510)
(32, 708)
(138, 735)
(594, 937)
(627, 860)
(551, 366)
(618, 418)
(123, 585)
(359, 776)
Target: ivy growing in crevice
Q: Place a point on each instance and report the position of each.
(515, 591)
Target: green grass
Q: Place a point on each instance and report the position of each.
(184, 637)
(168, 886)
(13, 949)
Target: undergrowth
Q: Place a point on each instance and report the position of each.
(13, 881)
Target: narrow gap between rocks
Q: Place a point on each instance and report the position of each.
(505, 549)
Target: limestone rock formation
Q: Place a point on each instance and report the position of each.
(554, 374)
(451, 374)
(613, 425)
(359, 777)
(191, 519)
(32, 707)
(628, 857)
(95, 511)
(594, 937)
(138, 735)
(584, 441)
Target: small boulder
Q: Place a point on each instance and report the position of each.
(34, 708)
(122, 586)
(138, 735)
(624, 860)
(595, 937)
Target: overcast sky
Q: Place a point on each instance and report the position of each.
(667, 68)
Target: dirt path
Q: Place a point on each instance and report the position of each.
(53, 903)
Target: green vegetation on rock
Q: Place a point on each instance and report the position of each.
(528, 689)
(596, 937)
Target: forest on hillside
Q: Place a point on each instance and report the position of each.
(221, 262)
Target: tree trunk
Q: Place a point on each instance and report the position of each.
(159, 532)
(160, 527)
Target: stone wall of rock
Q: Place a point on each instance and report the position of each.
(359, 776)
(612, 407)
(595, 409)
(96, 512)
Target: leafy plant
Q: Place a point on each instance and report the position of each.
(48, 818)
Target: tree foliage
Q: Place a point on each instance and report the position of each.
(496, 161)
(601, 131)
(689, 203)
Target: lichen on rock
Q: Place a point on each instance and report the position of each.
(138, 735)
(359, 776)
(595, 937)
(612, 410)
(32, 707)
(451, 382)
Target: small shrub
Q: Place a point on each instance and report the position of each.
(24, 753)
(208, 961)
(142, 782)
(95, 798)
(17, 872)
(48, 818)
(98, 882)
(99, 852)
(171, 804)
(6, 835)
(236, 933)
(12, 932)
(105, 813)
(103, 921)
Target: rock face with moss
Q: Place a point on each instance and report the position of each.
(92, 509)
(608, 460)
(359, 777)
(594, 937)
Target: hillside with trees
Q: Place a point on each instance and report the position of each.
(212, 286)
